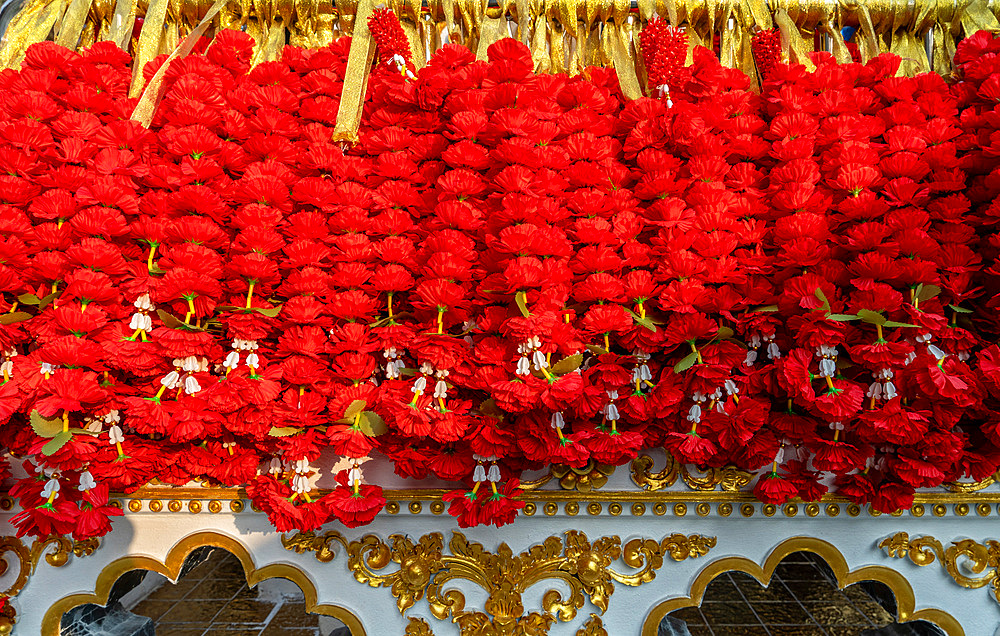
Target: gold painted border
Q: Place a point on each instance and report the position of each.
(901, 588)
(172, 568)
(696, 496)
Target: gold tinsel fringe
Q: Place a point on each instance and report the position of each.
(565, 36)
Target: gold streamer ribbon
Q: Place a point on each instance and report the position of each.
(32, 24)
(150, 99)
(791, 40)
(122, 23)
(359, 63)
(148, 45)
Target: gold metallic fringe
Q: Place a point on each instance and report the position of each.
(564, 36)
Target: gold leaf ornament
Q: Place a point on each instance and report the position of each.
(981, 559)
(425, 572)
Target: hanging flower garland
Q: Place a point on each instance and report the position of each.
(509, 270)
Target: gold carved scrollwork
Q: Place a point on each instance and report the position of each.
(728, 478)
(980, 558)
(425, 571)
(974, 486)
(592, 476)
(593, 627)
(27, 560)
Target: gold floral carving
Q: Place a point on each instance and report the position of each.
(981, 558)
(728, 478)
(418, 627)
(56, 550)
(426, 572)
(585, 479)
(974, 486)
(593, 627)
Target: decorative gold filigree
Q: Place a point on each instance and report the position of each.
(642, 473)
(62, 547)
(27, 561)
(584, 566)
(593, 627)
(728, 478)
(585, 479)
(925, 550)
(974, 486)
(418, 627)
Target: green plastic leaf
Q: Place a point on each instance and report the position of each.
(842, 317)
(872, 317)
(686, 363)
(724, 333)
(83, 431)
(926, 292)
(642, 322)
(890, 323)
(11, 318)
(44, 302)
(169, 320)
(568, 364)
(596, 350)
(270, 313)
(766, 308)
(372, 424)
(960, 310)
(45, 426)
(283, 431)
(354, 408)
(519, 299)
(826, 303)
(28, 299)
(56, 442)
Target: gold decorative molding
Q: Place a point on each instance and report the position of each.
(922, 551)
(56, 550)
(974, 486)
(592, 476)
(425, 572)
(171, 568)
(896, 582)
(728, 478)
(593, 627)
(418, 627)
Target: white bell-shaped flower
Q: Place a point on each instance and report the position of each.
(86, 481)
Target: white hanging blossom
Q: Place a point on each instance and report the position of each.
(828, 360)
(557, 422)
(882, 388)
(86, 481)
(610, 410)
(393, 365)
(694, 413)
(773, 352)
(754, 343)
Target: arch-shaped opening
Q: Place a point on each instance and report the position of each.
(230, 570)
(741, 596)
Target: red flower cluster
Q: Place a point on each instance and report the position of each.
(509, 270)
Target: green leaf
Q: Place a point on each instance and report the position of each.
(842, 317)
(872, 317)
(826, 303)
(170, 321)
(960, 310)
(57, 442)
(521, 304)
(568, 364)
(270, 313)
(766, 308)
(926, 292)
(890, 323)
(83, 431)
(724, 333)
(45, 426)
(11, 318)
(372, 424)
(28, 299)
(642, 322)
(596, 350)
(44, 302)
(283, 431)
(354, 408)
(687, 362)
